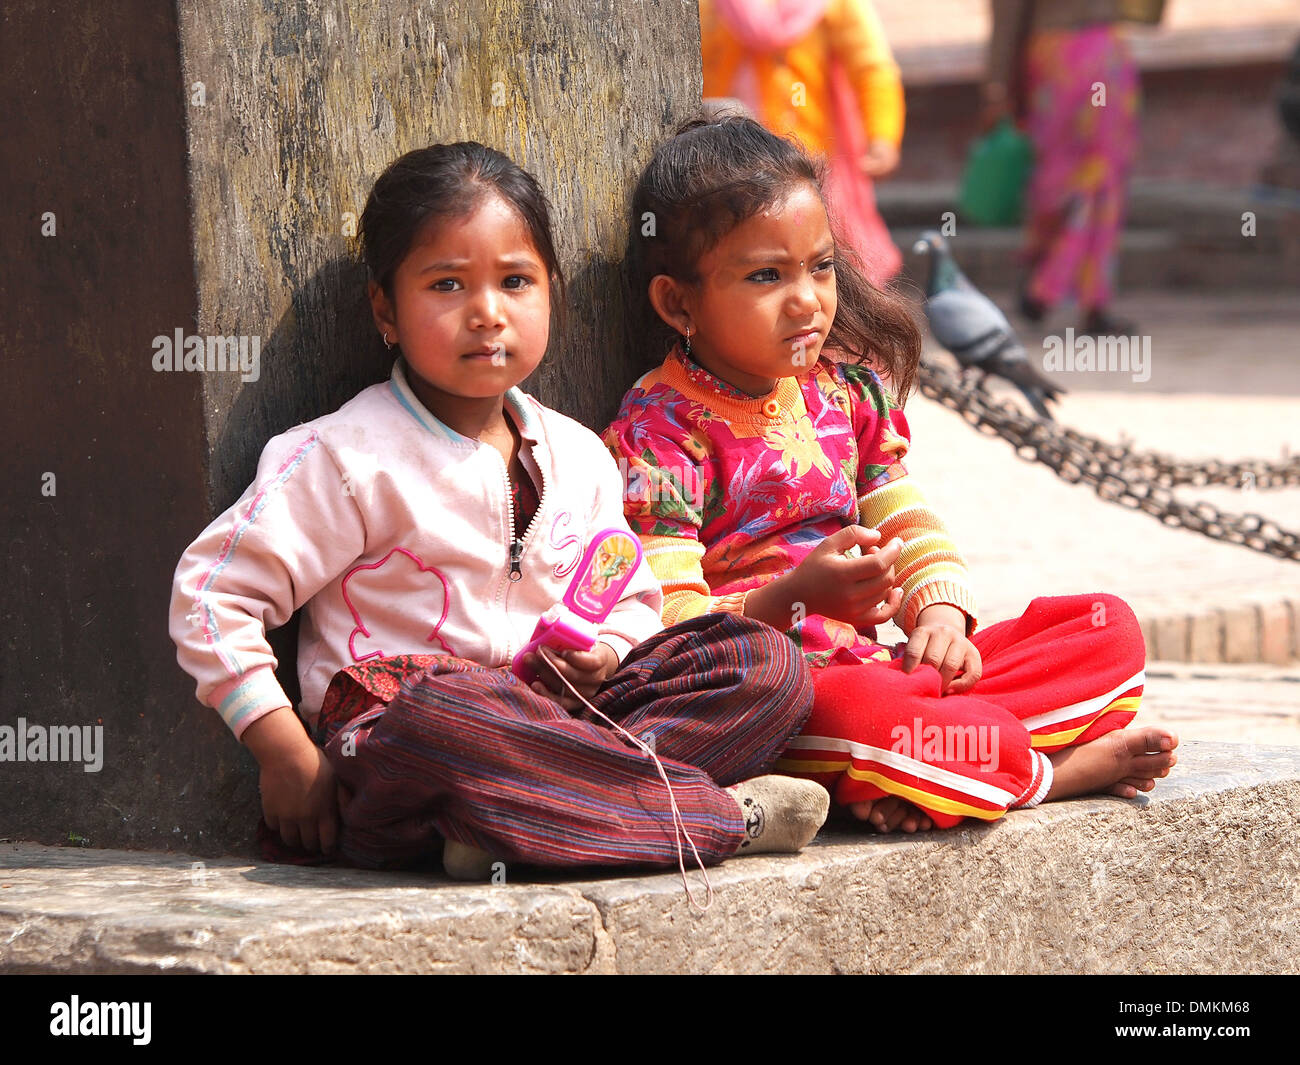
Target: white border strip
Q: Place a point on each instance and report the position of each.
(1066, 713)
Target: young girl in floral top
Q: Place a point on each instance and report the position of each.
(763, 466)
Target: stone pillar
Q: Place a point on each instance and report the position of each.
(200, 168)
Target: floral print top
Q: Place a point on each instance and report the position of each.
(728, 492)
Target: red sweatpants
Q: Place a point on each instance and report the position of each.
(1068, 670)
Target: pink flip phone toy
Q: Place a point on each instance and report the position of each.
(606, 567)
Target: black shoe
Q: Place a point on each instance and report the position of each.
(1031, 309)
(1098, 323)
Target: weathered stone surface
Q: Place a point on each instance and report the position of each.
(306, 106)
(121, 911)
(99, 143)
(1202, 876)
(1210, 860)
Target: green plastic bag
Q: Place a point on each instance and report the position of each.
(993, 186)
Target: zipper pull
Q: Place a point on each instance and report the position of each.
(516, 549)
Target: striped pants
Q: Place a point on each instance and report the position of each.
(1069, 669)
(463, 752)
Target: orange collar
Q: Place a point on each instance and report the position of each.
(696, 383)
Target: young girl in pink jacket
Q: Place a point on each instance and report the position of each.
(422, 529)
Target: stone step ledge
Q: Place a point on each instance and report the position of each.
(1250, 632)
(1198, 877)
(1148, 259)
(1190, 208)
(1186, 48)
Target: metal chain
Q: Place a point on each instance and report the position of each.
(1169, 472)
(1138, 480)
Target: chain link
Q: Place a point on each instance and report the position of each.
(1138, 480)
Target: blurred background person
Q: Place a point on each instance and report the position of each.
(822, 71)
(1063, 70)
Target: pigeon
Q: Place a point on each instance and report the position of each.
(969, 324)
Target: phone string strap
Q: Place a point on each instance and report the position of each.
(679, 825)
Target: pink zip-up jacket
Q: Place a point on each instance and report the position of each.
(394, 535)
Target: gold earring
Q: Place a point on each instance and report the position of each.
(687, 349)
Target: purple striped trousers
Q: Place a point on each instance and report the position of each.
(473, 754)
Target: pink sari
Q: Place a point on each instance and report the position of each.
(1084, 152)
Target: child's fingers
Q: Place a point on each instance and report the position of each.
(289, 833)
(961, 685)
(931, 648)
(310, 831)
(329, 832)
(882, 612)
(972, 670)
(870, 592)
(584, 661)
(953, 660)
(583, 669)
(563, 669)
(584, 681)
(876, 563)
(915, 650)
(849, 536)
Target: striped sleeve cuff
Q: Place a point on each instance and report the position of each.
(678, 564)
(937, 590)
(244, 699)
(930, 569)
(682, 606)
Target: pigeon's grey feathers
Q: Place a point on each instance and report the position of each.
(971, 326)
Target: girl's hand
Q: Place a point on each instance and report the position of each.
(939, 639)
(585, 670)
(880, 158)
(858, 591)
(300, 793)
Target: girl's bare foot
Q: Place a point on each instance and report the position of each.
(1121, 763)
(890, 813)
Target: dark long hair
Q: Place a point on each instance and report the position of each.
(710, 176)
(447, 181)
